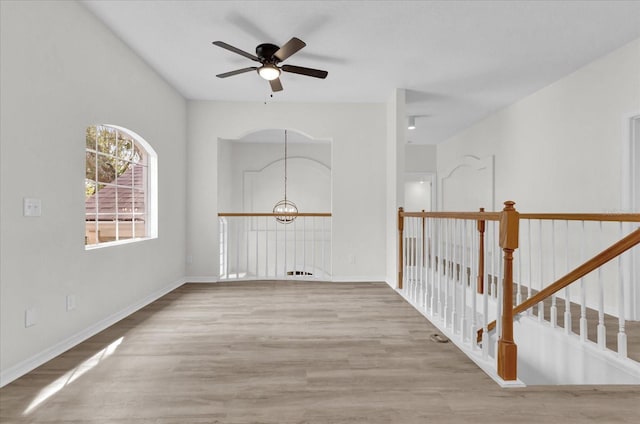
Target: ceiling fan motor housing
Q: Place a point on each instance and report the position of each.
(266, 51)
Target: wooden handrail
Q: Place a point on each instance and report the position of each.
(319, 214)
(597, 261)
(607, 217)
(477, 216)
(495, 216)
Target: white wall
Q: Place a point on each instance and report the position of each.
(61, 71)
(308, 182)
(420, 158)
(395, 164)
(358, 134)
(560, 149)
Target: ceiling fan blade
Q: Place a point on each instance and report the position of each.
(236, 50)
(316, 73)
(290, 47)
(276, 85)
(236, 72)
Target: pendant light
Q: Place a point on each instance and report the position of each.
(285, 206)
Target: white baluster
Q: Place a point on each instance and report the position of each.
(583, 293)
(304, 246)
(440, 267)
(275, 252)
(457, 265)
(519, 283)
(529, 283)
(622, 336)
(295, 246)
(416, 260)
(497, 257)
(433, 225)
(465, 263)
(411, 259)
(447, 271)
(313, 246)
(473, 319)
(421, 259)
(239, 222)
(602, 331)
(324, 241)
(541, 285)
(567, 290)
(266, 246)
(497, 293)
(554, 308)
(485, 299)
(257, 245)
(226, 250)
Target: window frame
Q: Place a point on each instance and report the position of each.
(151, 190)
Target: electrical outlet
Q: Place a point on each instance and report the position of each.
(351, 259)
(71, 302)
(30, 317)
(189, 259)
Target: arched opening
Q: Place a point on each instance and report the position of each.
(252, 171)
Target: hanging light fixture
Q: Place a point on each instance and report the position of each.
(285, 206)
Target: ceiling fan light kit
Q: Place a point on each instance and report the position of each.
(269, 72)
(270, 55)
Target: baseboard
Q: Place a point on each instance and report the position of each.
(29, 364)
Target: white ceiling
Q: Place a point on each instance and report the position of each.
(458, 60)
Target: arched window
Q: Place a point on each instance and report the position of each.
(120, 187)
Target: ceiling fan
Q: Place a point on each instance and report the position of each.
(269, 56)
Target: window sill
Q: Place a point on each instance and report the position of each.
(117, 243)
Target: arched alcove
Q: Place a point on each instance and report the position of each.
(251, 172)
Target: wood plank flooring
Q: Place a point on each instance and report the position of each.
(287, 352)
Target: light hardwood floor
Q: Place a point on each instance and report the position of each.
(288, 352)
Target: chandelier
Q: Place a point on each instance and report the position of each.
(286, 208)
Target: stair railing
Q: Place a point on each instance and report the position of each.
(257, 246)
(441, 253)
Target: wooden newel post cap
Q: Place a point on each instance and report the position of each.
(509, 226)
(400, 219)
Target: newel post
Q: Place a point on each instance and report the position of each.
(507, 349)
(481, 228)
(400, 245)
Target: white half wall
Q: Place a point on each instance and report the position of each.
(358, 134)
(61, 71)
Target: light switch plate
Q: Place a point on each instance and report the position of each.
(32, 207)
(30, 317)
